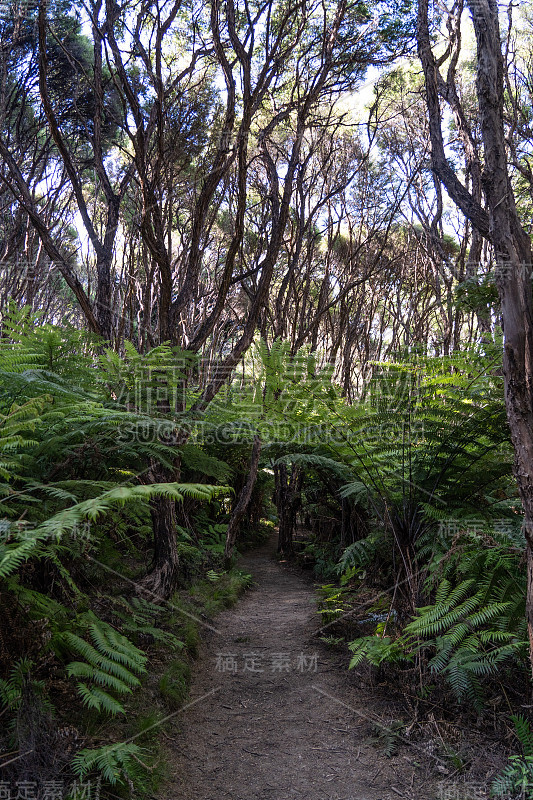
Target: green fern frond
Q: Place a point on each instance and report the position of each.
(116, 762)
(98, 700)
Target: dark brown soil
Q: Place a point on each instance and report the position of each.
(287, 731)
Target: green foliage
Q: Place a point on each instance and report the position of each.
(139, 618)
(470, 631)
(473, 629)
(332, 602)
(39, 541)
(378, 650)
(42, 350)
(174, 684)
(213, 538)
(523, 733)
(388, 737)
(361, 553)
(222, 593)
(282, 396)
(11, 688)
(475, 294)
(324, 556)
(516, 779)
(150, 383)
(78, 433)
(118, 764)
(432, 436)
(110, 666)
(191, 638)
(430, 450)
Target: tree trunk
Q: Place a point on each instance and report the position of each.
(104, 313)
(160, 581)
(288, 500)
(512, 247)
(242, 503)
(162, 578)
(346, 536)
(502, 227)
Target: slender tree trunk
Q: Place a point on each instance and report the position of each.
(104, 313)
(242, 502)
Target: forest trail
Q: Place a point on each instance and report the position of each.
(296, 729)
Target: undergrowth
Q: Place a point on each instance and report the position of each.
(83, 650)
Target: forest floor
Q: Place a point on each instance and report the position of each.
(274, 714)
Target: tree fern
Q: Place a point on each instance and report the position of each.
(76, 441)
(473, 629)
(35, 540)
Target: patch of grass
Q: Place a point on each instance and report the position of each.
(191, 638)
(184, 623)
(216, 595)
(174, 684)
(145, 726)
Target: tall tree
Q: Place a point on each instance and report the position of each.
(500, 223)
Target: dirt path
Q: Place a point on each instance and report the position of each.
(284, 718)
